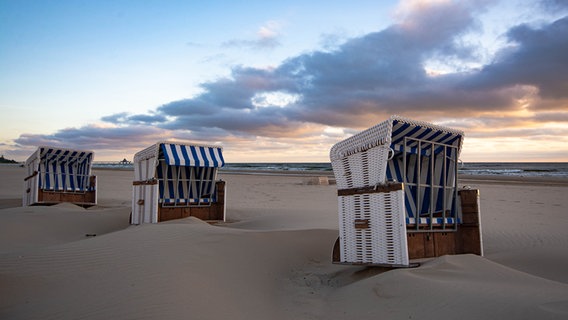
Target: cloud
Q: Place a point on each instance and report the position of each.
(554, 5)
(363, 81)
(379, 73)
(267, 37)
(126, 118)
(537, 57)
(95, 137)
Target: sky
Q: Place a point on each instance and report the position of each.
(282, 81)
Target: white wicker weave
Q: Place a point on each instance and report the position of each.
(366, 168)
(384, 241)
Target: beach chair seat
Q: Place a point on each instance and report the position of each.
(435, 222)
(187, 202)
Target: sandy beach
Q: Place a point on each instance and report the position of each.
(272, 258)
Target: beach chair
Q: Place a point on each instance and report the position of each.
(398, 194)
(55, 175)
(174, 180)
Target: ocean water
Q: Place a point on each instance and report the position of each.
(519, 169)
(279, 166)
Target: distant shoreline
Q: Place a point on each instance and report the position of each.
(500, 179)
(463, 178)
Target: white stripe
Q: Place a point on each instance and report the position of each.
(404, 133)
(184, 182)
(169, 154)
(194, 183)
(208, 156)
(177, 151)
(68, 174)
(180, 155)
(165, 179)
(198, 152)
(210, 181)
(218, 156)
(427, 137)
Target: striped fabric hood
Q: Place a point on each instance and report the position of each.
(192, 156)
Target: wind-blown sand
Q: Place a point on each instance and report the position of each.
(272, 260)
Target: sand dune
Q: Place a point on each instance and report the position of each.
(466, 285)
(271, 260)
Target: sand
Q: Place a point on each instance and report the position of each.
(272, 259)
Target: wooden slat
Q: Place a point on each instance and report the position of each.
(362, 223)
(145, 182)
(31, 176)
(381, 188)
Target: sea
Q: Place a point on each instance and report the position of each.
(518, 169)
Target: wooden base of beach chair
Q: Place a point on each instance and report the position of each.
(426, 245)
(209, 213)
(466, 239)
(213, 212)
(336, 259)
(84, 199)
(435, 244)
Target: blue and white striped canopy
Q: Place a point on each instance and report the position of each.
(192, 156)
(186, 185)
(424, 157)
(64, 169)
(431, 159)
(65, 155)
(406, 129)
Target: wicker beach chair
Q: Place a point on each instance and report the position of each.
(395, 178)
(174, 180)
(56, 175)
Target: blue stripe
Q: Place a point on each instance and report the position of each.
(185, 155)
(407, 203)
(56, 182)
(175, 155)
(445, 138)
(412, 132)
(222, 162)
(453, 140)
(171, 186)
(63, 176)
(212, 154)
(190, 156)
(433, 137)
(54, 155)
(425, 133)
(160, 175)
(399, 130)
(47, 180)
(180, 184)
(63, 156)
(194, 154)
(204, 156)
